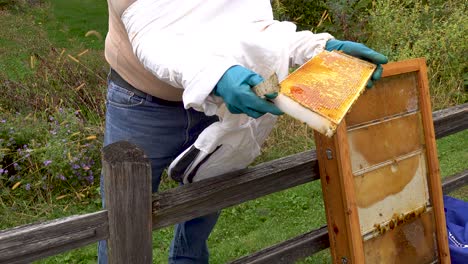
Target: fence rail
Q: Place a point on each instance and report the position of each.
(30, 242)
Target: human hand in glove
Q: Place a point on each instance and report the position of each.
(360, 51)
(235, 87)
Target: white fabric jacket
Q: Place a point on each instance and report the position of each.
(191, 43)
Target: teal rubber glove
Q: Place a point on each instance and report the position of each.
(360, 51)
(235, 87)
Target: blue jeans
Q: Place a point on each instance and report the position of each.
(163, 131)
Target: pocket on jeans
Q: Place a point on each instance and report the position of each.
(120, 97)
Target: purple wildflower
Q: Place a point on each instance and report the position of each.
(1, 171)
(62, 177)
(47, 162)
(27, 187)
(90, 179)
(3, 121)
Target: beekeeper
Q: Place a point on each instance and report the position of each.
(180, 88)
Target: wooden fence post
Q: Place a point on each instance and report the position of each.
(127, 188)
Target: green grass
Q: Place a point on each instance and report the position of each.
(53, 25)
(65, 28)
(241, 229)
(16, 47)
(453, 153)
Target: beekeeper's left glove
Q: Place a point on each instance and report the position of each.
(235, 87)
(360, 51)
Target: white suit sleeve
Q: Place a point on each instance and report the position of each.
(183, 64)
(181, 58)
(305, 45)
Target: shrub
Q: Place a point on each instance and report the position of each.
(306, 14)
(348, 19)
(344, 19)
(409, 29)
(46, 154)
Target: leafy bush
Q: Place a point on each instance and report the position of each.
(348, 19)
(344, 19)
(47, 154)
(306, 14)
(411, 28)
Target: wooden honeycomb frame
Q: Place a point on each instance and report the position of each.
(380, 175)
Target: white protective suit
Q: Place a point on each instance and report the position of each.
(191, 43)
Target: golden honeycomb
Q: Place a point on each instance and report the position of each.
(328, 84)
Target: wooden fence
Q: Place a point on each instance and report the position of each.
(132, 212)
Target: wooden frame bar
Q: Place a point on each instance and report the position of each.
(340, 204)
(435, 186)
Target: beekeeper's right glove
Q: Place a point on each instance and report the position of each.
(361, 51)
(235, 87)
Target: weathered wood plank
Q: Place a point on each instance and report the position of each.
(178, 204)
(454, 182)
(213, 194)
(127, 189)
(450, 120)
(30, 242)
(312, 242)
(290, 250)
